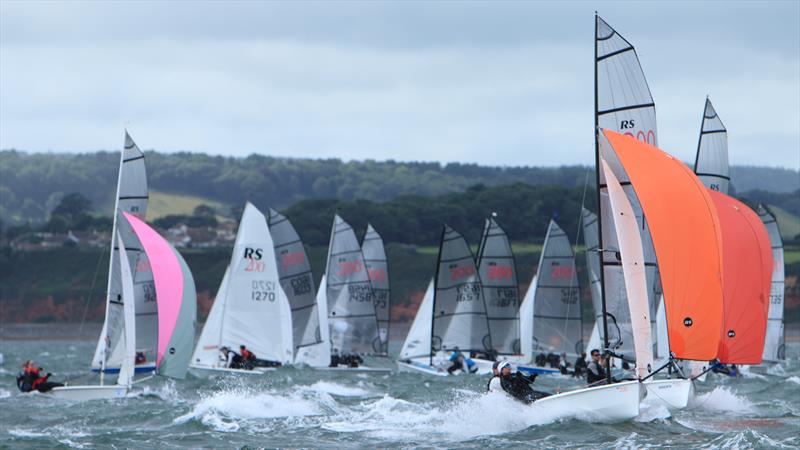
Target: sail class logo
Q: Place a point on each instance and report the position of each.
(500, 273)
(561, 272)
(458, 273)
(377, 273)
(292, 258)
(349, 267)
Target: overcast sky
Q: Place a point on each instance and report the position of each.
(493, 83)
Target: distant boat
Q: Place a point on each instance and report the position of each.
(297, 281)
(457, 313)
(711, 163)
(250, 308)
(498, 274)
(378, 271)
(132, 197)
(176, 300)
(551, 311)
(347, 310)
(775, 340)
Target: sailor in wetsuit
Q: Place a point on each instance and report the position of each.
(595, 371)
(494, 384)
(518, 385)
(580, 366)
(30, 379)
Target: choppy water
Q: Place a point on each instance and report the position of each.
(305, 408)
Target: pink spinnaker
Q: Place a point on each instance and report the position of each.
(167, 276)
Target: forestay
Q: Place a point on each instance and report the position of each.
(711, 163)
(132, 196)
(775, 340)
(418, 340)
(351, 309)
(459, 314)
(623, 104)
(498, 274)
(176, 298)
(297, 280)
(378, 271)
(250, 308)
(557, 325)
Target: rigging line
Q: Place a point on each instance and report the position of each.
(91, 290)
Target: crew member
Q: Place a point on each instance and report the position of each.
(494, 384)
(518, 385)
(595, 370)
(580, 366)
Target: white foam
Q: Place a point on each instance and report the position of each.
(776, 369)
(226, 410)
(4, 393)
(649, 412)
(338, 390)
(794, 379)
(23, 433)
(723, 399)
(467, 416)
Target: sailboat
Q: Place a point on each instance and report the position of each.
(378, 272)
(775, 339)
(498, 274)
(297, 281)
(551, 314)
(250, 308)
(346, 308)
(176, 300)
(455, 316)
(131, 196)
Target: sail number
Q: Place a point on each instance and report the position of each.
(776, 299)
(149, 291)
(301, 285)
(468, 292)
(262, 290)
(569, 296)
(504, 298)
(381, 299)
(359, 293)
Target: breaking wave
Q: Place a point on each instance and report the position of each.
(724, 400)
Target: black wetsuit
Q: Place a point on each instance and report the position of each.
(580, 367)
(519, 387)
(595, 372)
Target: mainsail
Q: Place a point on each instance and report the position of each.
(557, 326)
(746, 279)
(250, 308)
(176, 298)
(418, 339)
(688, 244)
(131, 198)
(459, 313)
(711, 163)
(775, 341)
(297, 280)
(498, 275)
(622, 103)
(378, 271)
(351, 309)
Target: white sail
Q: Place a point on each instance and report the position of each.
(418, 339)
(775, 340)
(711, 163)
(319, 354)
(129, 313)
(526, 322)
(132, 197)
(557, 326)
(378, 270)
(623, 104)
(662, 337)
(256, 312)
(632, 258)
(207, 351)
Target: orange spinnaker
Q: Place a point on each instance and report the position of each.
(687, 240)
(747, 276)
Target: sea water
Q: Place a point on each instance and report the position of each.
(300, 407)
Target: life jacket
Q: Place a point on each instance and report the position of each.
(247, 354)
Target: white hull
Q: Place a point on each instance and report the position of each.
(85, 393)
(607, 403)
(422, 365)
(673, 394)
(205, 371)
(418, 367)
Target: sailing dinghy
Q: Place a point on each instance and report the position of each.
(455, 317)
(132, 196)
(775, 339)
(251, 307)
(176, 301)
(551, 315)
(347, 308)
(378, 271)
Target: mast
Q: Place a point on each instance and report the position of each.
(435, 287)
(599, 213)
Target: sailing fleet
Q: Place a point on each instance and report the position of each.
(680, 274)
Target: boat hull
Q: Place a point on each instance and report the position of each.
(206, 371)
(86, 393)
(606, 403)
(142, 368)
(673, 393)
(421, 365)
(359, 369)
